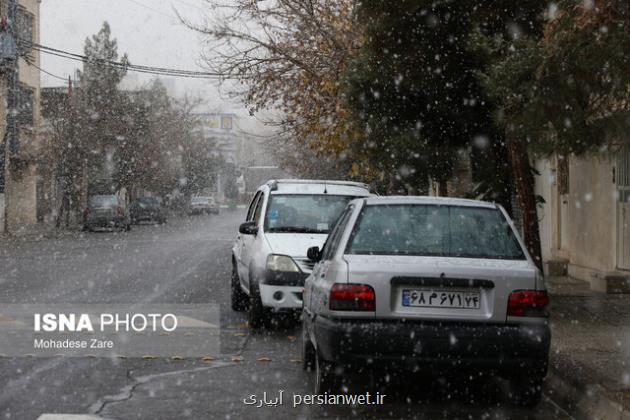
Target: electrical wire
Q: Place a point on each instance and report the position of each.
(151, 8)
(44, 48)
(47, 72)
(164, 71)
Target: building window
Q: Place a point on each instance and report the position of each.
(623, 174)
(25, 32)
(25, 106)
(563, 174)
(226, 123)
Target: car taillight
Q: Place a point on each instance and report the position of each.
(528, 303)
(87, 211)
(352, 297)
(119, 210)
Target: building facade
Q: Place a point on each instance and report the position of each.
(585, 219)
(18, 201)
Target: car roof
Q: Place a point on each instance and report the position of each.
(315, 186)
(428, 200)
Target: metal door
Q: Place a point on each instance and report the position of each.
(563, 206)
(623, 208)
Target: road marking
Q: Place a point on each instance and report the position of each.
(188, 322)
(69, 417)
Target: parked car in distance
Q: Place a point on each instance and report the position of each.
(269, 261)
(106, 211)
(147, 209)
(431, 284)
(214, 207)
(202, 204)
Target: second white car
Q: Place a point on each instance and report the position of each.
(284, 219)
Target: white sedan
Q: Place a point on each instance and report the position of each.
(425, 283)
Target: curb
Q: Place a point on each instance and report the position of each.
(586, 401)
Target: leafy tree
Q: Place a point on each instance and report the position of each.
(413, 87)
(289, 56)
(67, 153)
(567, 92)
(299, 158)
(102, 105)
(402, 91)
(200, 163)
(230, 173)
(151, 126)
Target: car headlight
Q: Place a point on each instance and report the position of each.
(281, 263)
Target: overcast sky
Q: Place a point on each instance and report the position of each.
(147, 30)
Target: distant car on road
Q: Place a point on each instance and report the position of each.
(269, 261)
(147, 209)
(106, 211)
(202, 204)
(426, 284)
(214, 207)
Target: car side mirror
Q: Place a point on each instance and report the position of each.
(314, 254)
(248, 228)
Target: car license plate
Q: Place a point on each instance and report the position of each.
(441, 298)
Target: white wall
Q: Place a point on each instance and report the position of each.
(546, 187)
(591, 222)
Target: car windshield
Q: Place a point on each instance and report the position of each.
(302, 213)
(431, 230)
(200, 200)
(103, 201)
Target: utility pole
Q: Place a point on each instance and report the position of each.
(10, 144)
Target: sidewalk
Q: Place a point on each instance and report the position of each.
(589, 372)
(41, 231)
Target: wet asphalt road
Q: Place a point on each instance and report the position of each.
(187, 261)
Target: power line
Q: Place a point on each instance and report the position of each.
(120, 65)
(191, 5)
(150, 8)
(47, 72)
(44, 48)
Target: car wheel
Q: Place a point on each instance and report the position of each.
(128, 227)
(325, 379)
(259, 316)
(239, 298)
(527, 391)
(308, 351)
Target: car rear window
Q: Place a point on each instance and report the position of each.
(431, 230)
(103, 200)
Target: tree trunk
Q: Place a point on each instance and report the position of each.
(442, 188)
(526, 197)
(391, 185)
(64, 211)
